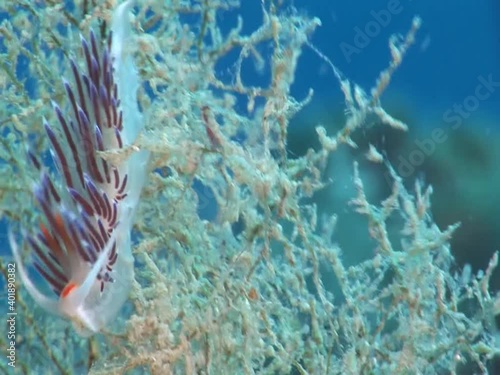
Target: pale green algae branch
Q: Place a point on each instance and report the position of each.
(275, 296)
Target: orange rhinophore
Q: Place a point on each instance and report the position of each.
(68, 289)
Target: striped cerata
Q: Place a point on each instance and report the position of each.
(82, 248)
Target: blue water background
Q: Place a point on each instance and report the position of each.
(458, 42)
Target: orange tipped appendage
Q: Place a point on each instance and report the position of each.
(68, 289)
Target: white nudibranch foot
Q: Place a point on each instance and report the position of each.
(83, 247)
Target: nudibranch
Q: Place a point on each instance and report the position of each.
(83, 246)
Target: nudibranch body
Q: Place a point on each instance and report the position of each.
(83, 246)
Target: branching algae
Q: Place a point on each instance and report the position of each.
(261, 286)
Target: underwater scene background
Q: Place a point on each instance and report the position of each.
(321, 195)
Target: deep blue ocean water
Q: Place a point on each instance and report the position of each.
(458, 42)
